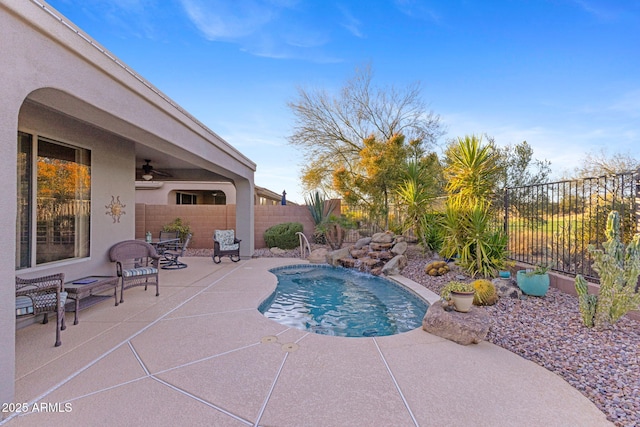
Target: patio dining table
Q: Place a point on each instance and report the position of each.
(163, 244)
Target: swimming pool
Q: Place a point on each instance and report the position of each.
(342, 302)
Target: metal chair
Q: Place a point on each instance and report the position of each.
(173, 257)
(42, 295)
(168, 235)
(225, 244)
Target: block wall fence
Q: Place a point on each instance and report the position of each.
(204, 219)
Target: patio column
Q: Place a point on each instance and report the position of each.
(9, 108)
(244, 216)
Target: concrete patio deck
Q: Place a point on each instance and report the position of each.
(201, 354)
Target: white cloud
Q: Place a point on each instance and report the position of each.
(350, 22)
(222, 20)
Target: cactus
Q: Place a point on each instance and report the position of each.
(587, 302)
(455, 286)
(486, 293)
(437, 268)
(619, 269)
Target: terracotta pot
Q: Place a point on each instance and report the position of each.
(462, 301)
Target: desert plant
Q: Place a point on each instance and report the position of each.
(587, 302)
(538, 269)
(455, 286)
(437, 268)
(471, 172)
(486, 293)
(182, 228)
(619, 268)
(283, 235)
(480, 249)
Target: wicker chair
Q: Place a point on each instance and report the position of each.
(172, 258)
(225, 244)
(136, 265)
(42, 295)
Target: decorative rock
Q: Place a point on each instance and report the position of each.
(277, 251)
(380, 255)
(463, 328)
(359, 253)
(380, 246)
(361, 243)
(334, 256)
(318, 256)
(382, 237)
(399, 248)
(395, 265)
(506, 288)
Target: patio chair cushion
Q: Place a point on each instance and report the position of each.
(24, 304)
(140, 271)
(226, 239)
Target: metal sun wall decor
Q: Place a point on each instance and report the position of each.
(115, 209)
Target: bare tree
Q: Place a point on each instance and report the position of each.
(602, 163)
(331, 129)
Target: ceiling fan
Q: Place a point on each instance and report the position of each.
(149, 171)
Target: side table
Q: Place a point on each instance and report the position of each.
(85, 291)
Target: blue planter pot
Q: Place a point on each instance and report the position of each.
(504, 274)
(534, 284)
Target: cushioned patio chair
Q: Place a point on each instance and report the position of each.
(172, 258)
(136, 265)
(225, 244)
(42, 295)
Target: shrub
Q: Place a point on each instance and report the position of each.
(183, 229)
(283, 235)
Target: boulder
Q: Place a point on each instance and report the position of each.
(380, 246)
(277, 251)
(507, 288)
(395, 265)
(318, 256)
(383, 237)
(463, 328)
(400, 248)
(334, 256)
(361, 243)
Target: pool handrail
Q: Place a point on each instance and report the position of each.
(304, 244)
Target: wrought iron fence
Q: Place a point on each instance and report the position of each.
(554, 223)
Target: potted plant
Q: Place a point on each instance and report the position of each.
(460, 294)
(534, 281)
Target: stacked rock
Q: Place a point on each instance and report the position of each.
(382, 253)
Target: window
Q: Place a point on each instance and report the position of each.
(186, 199)
(54, 201)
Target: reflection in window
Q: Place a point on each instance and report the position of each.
(62, 205)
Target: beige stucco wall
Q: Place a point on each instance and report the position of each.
(166, 193)
(204, 219)
(63, 86)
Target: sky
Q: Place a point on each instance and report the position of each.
(564, 75)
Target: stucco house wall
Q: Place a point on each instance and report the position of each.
(58, 82)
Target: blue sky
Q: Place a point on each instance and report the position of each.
(564, 75)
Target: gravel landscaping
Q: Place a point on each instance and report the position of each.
(603, 365)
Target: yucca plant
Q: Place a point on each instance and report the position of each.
(321, 211)
(471, 171)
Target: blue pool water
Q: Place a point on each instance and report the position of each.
(342, 302)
